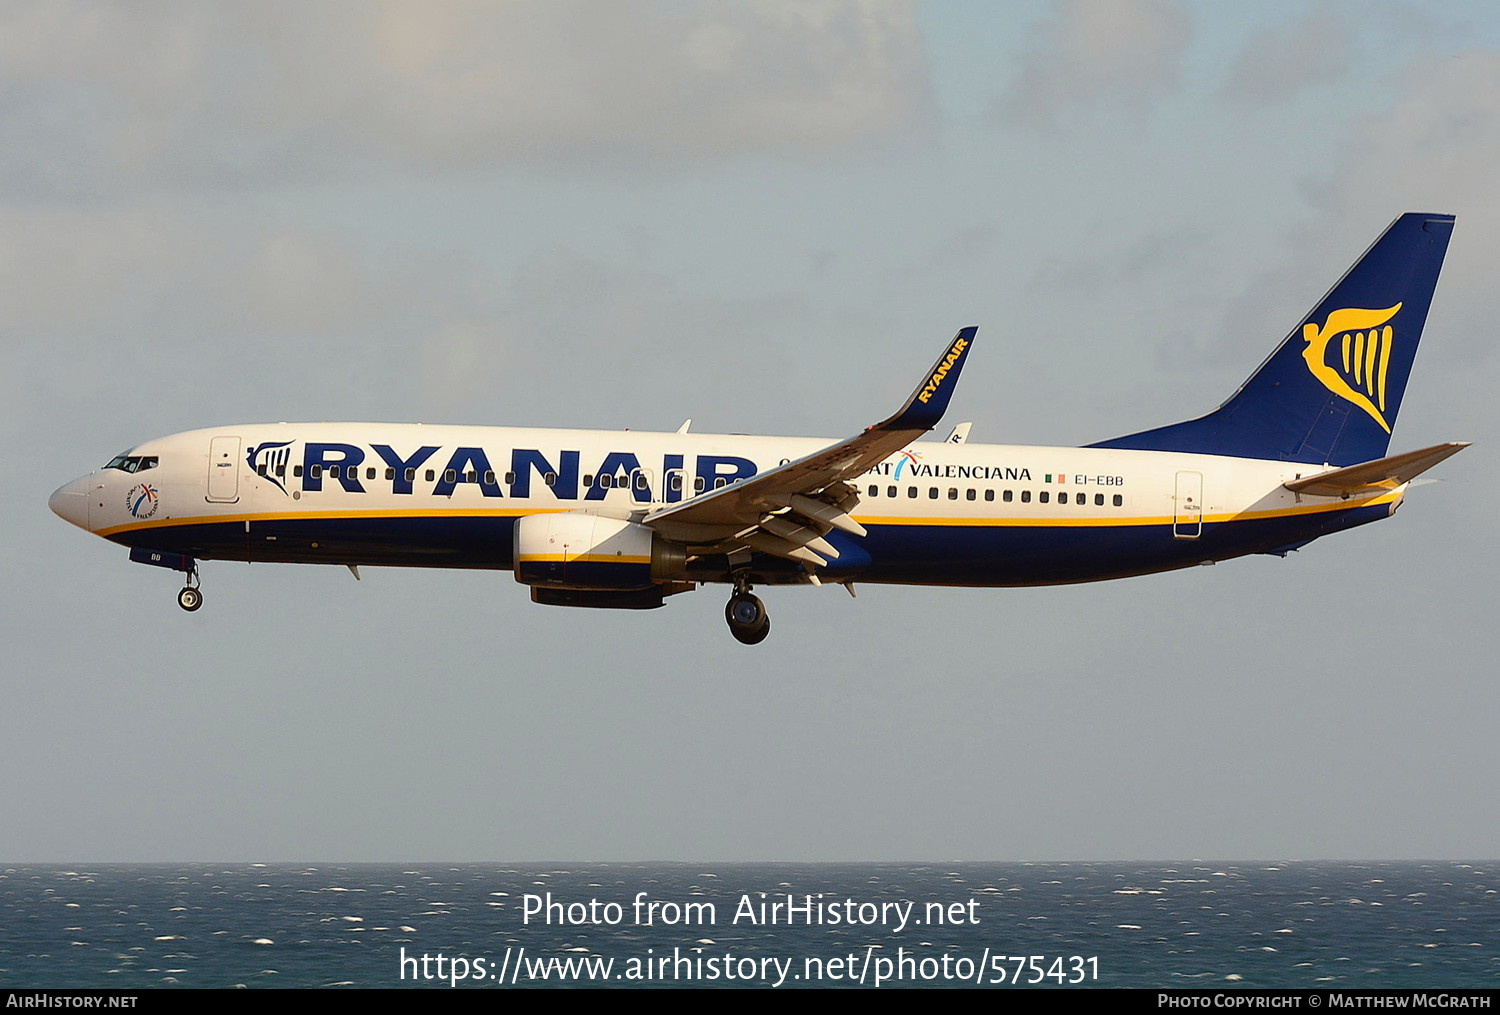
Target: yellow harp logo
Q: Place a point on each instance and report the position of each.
(1363, 355)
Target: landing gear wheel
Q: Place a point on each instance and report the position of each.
(752, 637)
(747, 618)
(745, 610)
(189, 599)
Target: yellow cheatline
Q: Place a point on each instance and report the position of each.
(281, 516)
(997, 522)
(1058, 522)
(586, 558)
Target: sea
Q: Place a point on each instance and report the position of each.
(1193, 925)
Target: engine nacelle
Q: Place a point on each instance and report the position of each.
(599, 599)
(574, 550)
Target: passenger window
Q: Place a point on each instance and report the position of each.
(874, 491)
(699, 484)
(1044, 496)
(317, 472)
(971, 493)
(720, 483)
(297, 471)
(588, 480)
(550, 479)
(953, 493)
(1119, 500)
(911, 491)
(430, 475)
(260, 470)
(391, 474)
(510, 479)
(1098, 500)
(890, 491)
(676, 484)
(640, 482)
(932, 493)
(333, 471)
(450, 476)
(989, 495)
(606, 482)
(1025, 496)
(471, 476)
(489, 477)
(411, 474)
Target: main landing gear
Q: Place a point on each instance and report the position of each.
(190, 597)
(746, 614)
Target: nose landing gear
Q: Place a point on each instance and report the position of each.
(190, 597)
(746, 614)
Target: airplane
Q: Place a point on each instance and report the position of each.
(625, 519)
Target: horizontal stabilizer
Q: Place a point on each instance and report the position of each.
(1385, 473)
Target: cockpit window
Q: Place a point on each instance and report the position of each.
(132, 463)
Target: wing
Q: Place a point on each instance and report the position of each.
(787, 510)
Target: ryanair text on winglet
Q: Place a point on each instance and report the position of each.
(936, 380)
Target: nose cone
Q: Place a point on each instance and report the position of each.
(71, 502)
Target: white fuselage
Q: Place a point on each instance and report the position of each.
(937, 513)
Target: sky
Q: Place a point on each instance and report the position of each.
(766, 217)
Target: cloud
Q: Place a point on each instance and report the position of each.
(1283, 60)
(1431, 150)
(99, 94)
(1438, 143)
(169, 271)
(1435, 150)
(1119, 54)
(170, 314)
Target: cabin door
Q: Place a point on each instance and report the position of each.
(1187, 513)
(224, 470)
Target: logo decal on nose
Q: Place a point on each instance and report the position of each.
(141, 500)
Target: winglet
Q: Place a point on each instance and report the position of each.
(925, 408)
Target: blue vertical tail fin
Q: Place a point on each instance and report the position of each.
(1330, 392)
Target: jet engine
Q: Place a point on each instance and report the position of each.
(597, 555)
